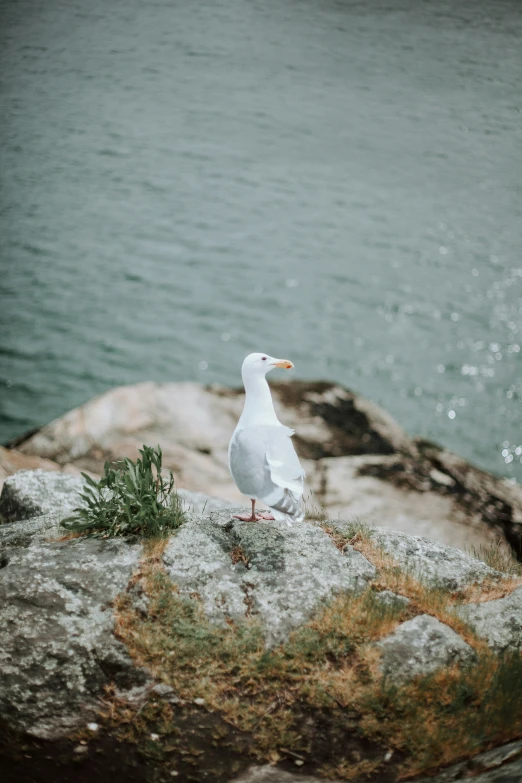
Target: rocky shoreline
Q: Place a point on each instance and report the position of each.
(359, 461)
(74, 685)
(240, 653)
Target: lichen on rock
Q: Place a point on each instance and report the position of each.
(283, 632)
(433, 562)
(32, 493)
(57, 647)
(285, 574)
(420, 646)
(498, 621)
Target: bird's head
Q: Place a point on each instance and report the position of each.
(261, 363)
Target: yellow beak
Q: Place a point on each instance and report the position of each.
(284, 363)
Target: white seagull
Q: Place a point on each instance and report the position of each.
(261, 455)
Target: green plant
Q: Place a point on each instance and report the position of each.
(132, 498)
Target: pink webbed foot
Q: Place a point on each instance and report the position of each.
(257, 518)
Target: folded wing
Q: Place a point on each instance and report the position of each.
(265, 466)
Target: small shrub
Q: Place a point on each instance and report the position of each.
(132, 498)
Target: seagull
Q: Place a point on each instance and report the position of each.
(261, 455)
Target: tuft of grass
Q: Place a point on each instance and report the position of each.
(496, 556)
(431, 599)
(131, 498)
(327, 674)
(313, 508)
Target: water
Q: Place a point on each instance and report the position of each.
(334, 182)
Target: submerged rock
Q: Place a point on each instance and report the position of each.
(277, 573)
(421, 646)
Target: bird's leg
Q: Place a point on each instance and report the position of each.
(253, 517)
(245, 517)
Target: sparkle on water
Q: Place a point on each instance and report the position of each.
(334, 182)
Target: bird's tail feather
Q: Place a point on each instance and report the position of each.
(287, 507)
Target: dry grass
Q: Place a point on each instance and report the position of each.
(496, 556)
(66, 537)
(328, 667)
(435, 601)
(237, 555)
(313, 508)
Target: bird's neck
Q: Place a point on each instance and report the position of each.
(259, 408)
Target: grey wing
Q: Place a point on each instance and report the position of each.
(264, 465)
(285, 469)
(247, 461)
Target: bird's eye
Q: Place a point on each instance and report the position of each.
(263, 359)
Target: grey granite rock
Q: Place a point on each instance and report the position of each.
(359, 462)
(499, 621)
(288, 573)
(421, 646)
(38, 500)
(26, 531)
(201, 503)
(270, 774)
(389, 598)
(33, 493)
(57, 648)
(500, 765)
(431, 561)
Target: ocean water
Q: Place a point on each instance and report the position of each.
(334, 182)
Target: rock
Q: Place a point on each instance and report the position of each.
(28, 530)
(501, 765)
(32, 493)
(280, 574)
(11, 461)
(161, 689)
(432, 562)
(57, 647)
(359, 461)
(388, 598)
(201, 503)
(498, 621)
(497, 502)
(421, 646)
(41, 499)
(270, 774)
(390, 491)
